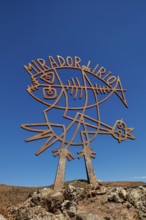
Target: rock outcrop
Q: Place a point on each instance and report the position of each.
(80, 201)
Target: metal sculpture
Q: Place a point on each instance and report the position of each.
(73, 93)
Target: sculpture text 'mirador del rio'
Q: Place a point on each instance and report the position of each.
(72, 94)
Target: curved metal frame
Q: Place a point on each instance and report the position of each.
(90, 125)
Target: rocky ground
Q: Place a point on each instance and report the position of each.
(12, 196)
(79, 201)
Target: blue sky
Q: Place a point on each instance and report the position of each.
(110, 33)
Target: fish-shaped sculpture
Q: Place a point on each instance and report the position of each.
(73, 95)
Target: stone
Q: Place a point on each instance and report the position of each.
(101, 191)
(137, 197)
(85, 216)
(2, 217)
(32, 213)
(117, 195)
(69, 208)
(84, 203)
(74, 193)
(58, 196)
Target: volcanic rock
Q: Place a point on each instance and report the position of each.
(80, 201)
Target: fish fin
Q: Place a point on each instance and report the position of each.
(120, 91)
(35, 127)
(47, 144)
(41, 135)
(40, 128)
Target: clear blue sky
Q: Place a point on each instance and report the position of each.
(111, 33)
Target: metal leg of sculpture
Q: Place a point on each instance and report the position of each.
(60, 175)
(90, 171)
(63, 153)
(88, 154)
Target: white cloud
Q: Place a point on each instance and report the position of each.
(140, 177)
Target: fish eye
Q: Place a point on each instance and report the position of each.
(120, 125)
(49, 93)
(48, 77)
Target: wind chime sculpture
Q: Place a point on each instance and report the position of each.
(73, 94)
